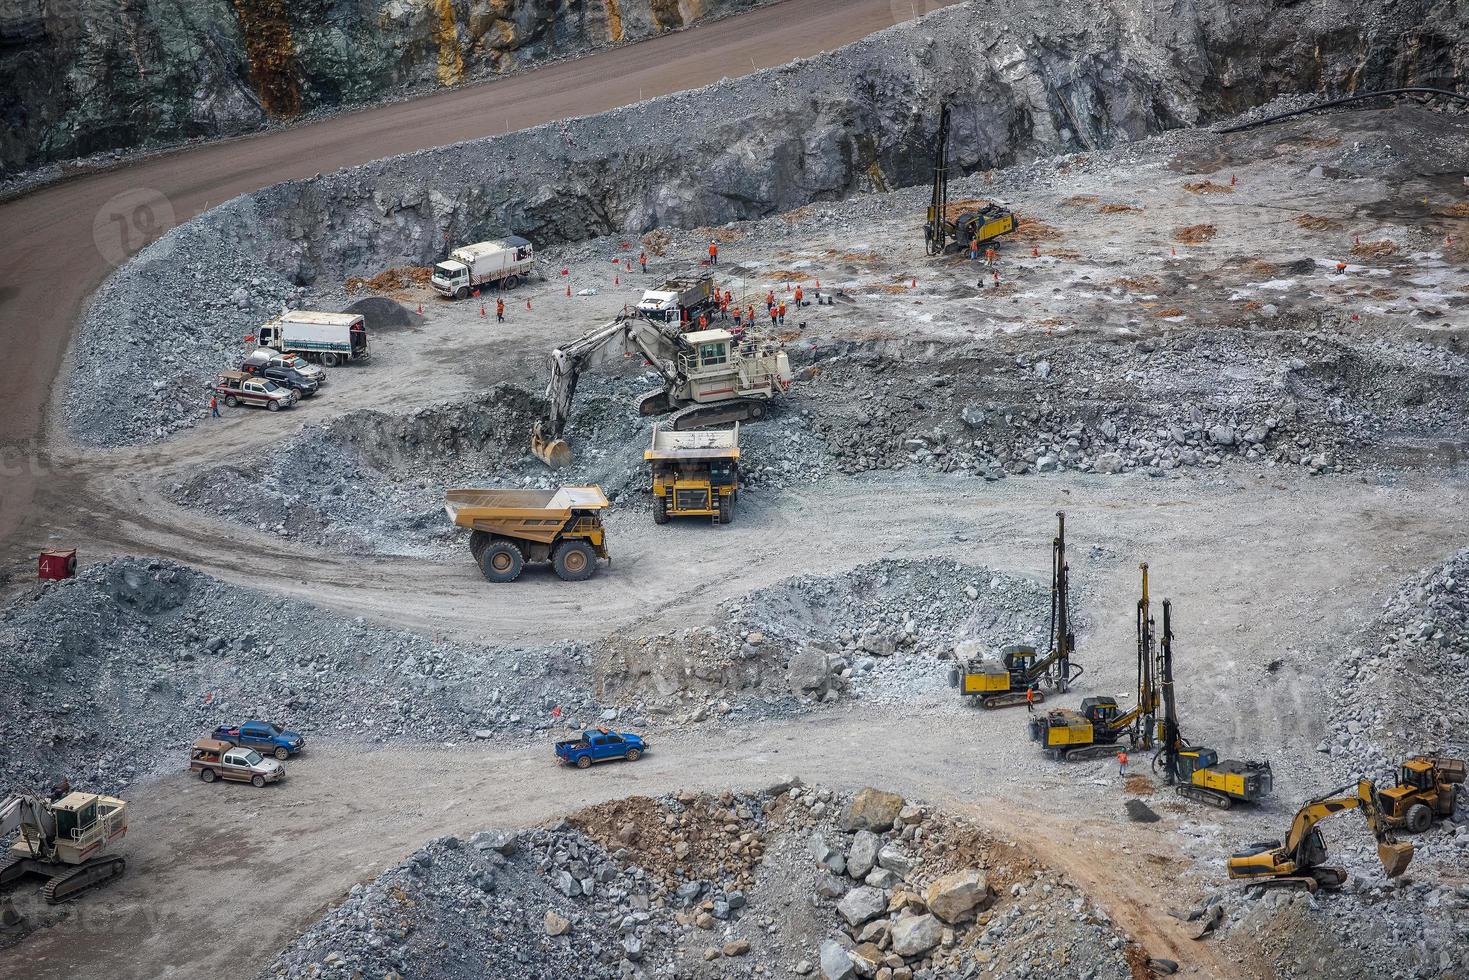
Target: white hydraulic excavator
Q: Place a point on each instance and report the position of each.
(710, 377)
(66, 841)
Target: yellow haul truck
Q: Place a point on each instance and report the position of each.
(695, 474)
(511, 527)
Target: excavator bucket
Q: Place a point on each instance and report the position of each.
(1395, 857)
(555, 453)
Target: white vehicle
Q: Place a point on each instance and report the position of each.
(678, 300)
(504, 262)
(331, 338)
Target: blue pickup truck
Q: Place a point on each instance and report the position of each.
(263, 737)
(600, 745)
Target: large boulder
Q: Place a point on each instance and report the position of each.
(959, 895)
(870, 809)
(808, 672)
(835, 963)
(862, 855)
(916, 935)
(892, 858)
(862, 904)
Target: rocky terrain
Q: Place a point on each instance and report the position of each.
(1094, 82)
(87, 77)
(108, 673)
(793, 881)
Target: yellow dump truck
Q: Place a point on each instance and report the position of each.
(695, 474)
(512, 527)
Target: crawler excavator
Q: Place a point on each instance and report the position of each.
(1101, 724)
(65, 842)
(1196, 772)
(709, 377)
(1296, 862)
(1018, 678)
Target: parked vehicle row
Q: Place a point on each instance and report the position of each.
(238, 753)
(287, 366)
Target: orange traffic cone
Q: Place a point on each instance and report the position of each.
(617, 280)
(482, 309)
(420, 309)
(568, 289)
(527, 304)
(915, 283)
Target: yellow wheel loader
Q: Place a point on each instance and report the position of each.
(1427, 790)
(1298, 861)
(1021, 674)
(66, 841)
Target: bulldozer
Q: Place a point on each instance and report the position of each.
(1297, 862)
(66, 841)
(710, 377)
(1101, 725)
(1427, 789)
(1197, 772)
(945, 228)
(1018, 677)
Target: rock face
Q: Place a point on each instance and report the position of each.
(93, 75)
(1067, 78)
(956, 896)
(871, 809)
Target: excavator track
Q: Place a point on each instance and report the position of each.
(654, 402)
(1100, 751)
(719, 413)
(10, 869)
(1008, 699)
(1209, 797)
(73, 881)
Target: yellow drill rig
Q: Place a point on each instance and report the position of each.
(1297, 861)
(1197, 771)
(1018, 678)
(1101, 725)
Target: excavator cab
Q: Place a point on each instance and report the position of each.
(1019, 659)
(1100, 711)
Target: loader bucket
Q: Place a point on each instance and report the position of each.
(1395, 857)
(555, 453)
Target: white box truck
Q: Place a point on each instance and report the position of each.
(330, 338)
(504, 263)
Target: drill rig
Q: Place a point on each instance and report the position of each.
(1101, 724)
(64, 842)
(1196, 771)
(1011, 680)
(982, 223)
(1297, 861)
(709, 377)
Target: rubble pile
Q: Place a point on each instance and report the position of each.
(795, 880)
(1047, 405)
(102, 674)
(876, 633)
(1403, 692)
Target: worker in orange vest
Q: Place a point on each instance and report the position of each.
(773, 314)
(1122, 763)
(770, 300)
(724, 309)
(974, 248)
(735, 311)
(989, 255)
(500, 309)
(728, 297)
(703, 321)
(1030, 699)
(713, 254)
(750, 315)
(782, 312)
(214, 406)
(643, 260)
(798, 297)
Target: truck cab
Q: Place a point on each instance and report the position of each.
(694, 474)
(262, 736)
(502, 262)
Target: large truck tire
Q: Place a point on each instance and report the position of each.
(575, 561)
(660, 510)
(510, 282)
(1419, 818)
(726, 509)
(462, 292)
(331, 359)
(478, 542)
(501, 562)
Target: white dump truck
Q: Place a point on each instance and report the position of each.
(501, 263)
(679, 299)
(331, 338)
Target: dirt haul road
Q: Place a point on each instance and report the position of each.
(62, 241)
(202, 846)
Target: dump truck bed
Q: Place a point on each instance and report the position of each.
(532, 515)
(696, 444)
